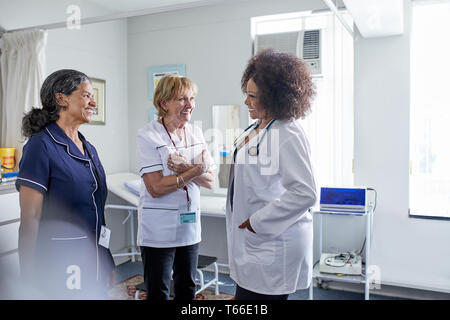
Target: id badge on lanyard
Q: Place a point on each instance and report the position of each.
(105, 235)
(187, 215)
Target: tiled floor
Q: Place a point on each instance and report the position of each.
(227, 285)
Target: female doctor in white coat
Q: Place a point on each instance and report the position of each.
(173, 158)
(271, 185)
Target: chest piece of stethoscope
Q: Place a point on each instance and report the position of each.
(253, 151)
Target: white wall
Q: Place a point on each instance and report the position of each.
(100, 51)
(409, 251)
(214, 43)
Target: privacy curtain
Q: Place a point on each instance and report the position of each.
(22, 66)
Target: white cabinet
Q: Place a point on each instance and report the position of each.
(9, 266)
(9, 237)
(9, 234)
(9, 207)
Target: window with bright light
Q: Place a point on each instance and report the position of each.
(329, 127)
(429, 185)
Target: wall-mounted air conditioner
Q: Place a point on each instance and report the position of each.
(306, 44)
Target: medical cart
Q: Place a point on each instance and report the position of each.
(366, 277)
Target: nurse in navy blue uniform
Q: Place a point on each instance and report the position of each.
(63, 192)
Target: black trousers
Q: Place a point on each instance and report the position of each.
(244, 294)
(158, 266)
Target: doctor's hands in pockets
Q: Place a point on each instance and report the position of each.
(179, 163)
(246, 225)
(259, 249)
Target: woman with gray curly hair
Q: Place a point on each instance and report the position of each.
(63, 191)
(271, 185)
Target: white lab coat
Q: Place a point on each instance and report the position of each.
(275, 190)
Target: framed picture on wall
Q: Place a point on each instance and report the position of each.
(99, 96)
(157, 72)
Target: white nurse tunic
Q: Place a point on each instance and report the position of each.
(160, 221)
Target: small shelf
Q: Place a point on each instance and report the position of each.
(334, 277)
(7, 187)
(337, 213)
(360, 279)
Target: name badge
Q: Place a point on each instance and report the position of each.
(105, 235)
(188, 217)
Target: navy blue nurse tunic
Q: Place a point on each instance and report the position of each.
(69, 261)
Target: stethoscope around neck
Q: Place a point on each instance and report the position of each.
(254, 150)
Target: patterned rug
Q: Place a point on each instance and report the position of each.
(126, 290)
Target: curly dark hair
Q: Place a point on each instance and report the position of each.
(285, 87)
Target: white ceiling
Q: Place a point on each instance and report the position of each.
(19, 14)
(132, 5)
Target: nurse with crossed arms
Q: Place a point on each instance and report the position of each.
(174, 164)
